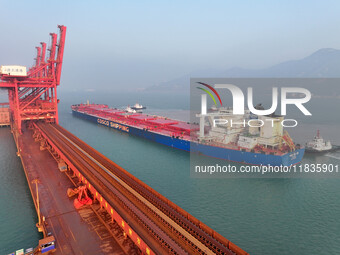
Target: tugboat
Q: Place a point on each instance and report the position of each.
(318, 144)
(138, 107)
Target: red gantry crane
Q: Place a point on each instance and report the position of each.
(33, 95)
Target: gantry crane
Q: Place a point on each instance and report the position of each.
(33, 95)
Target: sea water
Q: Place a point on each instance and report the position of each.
(262, 216)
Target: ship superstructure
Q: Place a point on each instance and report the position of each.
(247, 132)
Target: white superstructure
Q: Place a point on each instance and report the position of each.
(130, 110)
(138, 106)
(245, 131)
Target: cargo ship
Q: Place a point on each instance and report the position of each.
(265, 145)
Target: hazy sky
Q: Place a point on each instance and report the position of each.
(136, 44)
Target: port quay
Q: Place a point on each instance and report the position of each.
(75, 188)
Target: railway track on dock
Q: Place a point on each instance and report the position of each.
(166, 227)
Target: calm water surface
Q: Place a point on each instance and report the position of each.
(263, 216)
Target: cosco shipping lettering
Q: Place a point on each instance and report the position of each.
(259, 146)
(113, 125)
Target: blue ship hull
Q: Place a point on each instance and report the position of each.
(287, 159)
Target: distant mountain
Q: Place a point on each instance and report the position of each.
(322, 63)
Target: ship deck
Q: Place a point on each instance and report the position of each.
(153, 123)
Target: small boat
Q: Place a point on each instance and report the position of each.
(130, 110)
(138, 107)
(318, 144)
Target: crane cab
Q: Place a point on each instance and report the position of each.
(15, 71)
